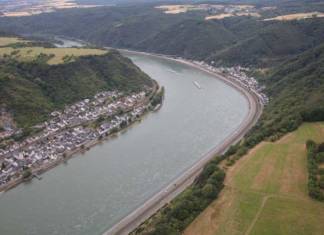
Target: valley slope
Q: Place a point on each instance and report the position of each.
(266, 192)
(243, 40)
(31, 89)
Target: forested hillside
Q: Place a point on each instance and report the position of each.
(31, 90)
(291, 49)
(234, 40)
(296, 91)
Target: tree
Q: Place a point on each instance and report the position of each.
(209, 191)
(242, 151)
(27, 173)
(217, 178)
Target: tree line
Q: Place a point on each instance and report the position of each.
(315, 157)
(173, 218)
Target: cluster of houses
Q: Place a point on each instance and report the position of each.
(71, 130)
(239, 74)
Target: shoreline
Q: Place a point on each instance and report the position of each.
(76, 152)
(225, 78)
(186, 178)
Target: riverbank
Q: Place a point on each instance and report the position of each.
(65, 156)
(151, 206)
(227, 78)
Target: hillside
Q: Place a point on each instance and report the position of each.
(266, 192)
(295, 88)
(30, 90)
(274, 41)
(234, 40)
(296, 91)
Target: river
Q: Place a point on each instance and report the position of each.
(93, 191)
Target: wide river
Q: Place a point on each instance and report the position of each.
(93, 191)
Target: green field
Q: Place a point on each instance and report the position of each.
(56, 55)
(266, 192)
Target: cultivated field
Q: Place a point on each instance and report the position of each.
(297, 16)
(176, 9)
(17, 8)
(224, 15)
(57, 55)
(266, 192)
(4, 41)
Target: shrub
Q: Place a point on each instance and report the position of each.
(27, 173)
(207, 171)
(321, 183)
(242, 151)
(320, 157)
(310, 144)
(320, 147)
(232, 150)
(230, 162)
(209, 191)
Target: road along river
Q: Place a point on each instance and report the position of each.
(165, 195)
(94, 191)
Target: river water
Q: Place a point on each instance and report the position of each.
(93, 191)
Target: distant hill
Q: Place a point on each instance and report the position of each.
(235, 40)
(273, 41)
(31, 90)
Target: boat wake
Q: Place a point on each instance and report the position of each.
(197, 85)
(172, 71)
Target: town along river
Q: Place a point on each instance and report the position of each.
(93, 191)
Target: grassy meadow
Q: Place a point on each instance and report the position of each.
(55, 55)
(266, 192)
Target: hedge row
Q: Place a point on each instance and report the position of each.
(315, 175)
